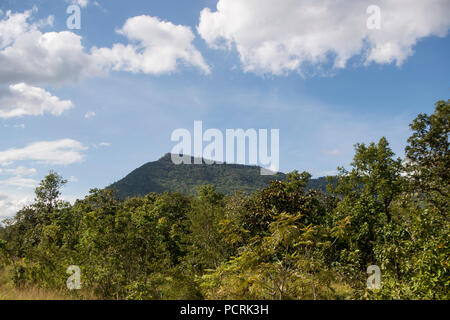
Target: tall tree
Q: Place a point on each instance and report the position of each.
(49, 191)
(367, 192)
(428, 156)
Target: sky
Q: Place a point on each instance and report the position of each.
(95, 103)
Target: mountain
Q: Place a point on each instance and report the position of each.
(163, 175)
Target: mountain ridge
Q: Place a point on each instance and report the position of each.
(163, 175)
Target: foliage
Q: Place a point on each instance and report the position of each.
(283, 241)
(164, 176)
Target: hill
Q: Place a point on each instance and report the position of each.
(163, 175)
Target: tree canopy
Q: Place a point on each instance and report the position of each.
(285, 241)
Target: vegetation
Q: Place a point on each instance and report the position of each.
(164, 176)
(282, 242)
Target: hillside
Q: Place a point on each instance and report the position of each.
(162, 175)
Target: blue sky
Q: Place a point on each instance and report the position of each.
(321, 110)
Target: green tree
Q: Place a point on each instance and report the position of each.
(207, 248)
(49, 191)
(367, 193)
(428, 157)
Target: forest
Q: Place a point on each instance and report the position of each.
(285, 241)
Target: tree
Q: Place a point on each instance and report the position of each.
(207, 248)
(367, 193)
(375, 174)
(283, 242)
(281, 255)
(428, 156)
(48, 191)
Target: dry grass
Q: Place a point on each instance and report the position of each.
(9, 292)
(342, 291)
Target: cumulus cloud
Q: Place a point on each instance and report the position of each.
(29, 57)
(279, 37)
(53, 58)
(12, 26)
(56, 58)
(158, 47)
(22, 99)
(60, 152)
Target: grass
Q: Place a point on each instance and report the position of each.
(9, 292)
(33, 293)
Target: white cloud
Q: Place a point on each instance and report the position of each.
(46, 58)
(13, 26)
(22, 99)
(56, 58)
(13, 200)
(10, 203)
(16, 198)
(279, 37)
(101, 145)
(60, 152)
(19, 171)
(81, 3)
(28, 55)
(16, 126)
(105, 144)
(90, 114)
(19, 182)
(158, 47)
